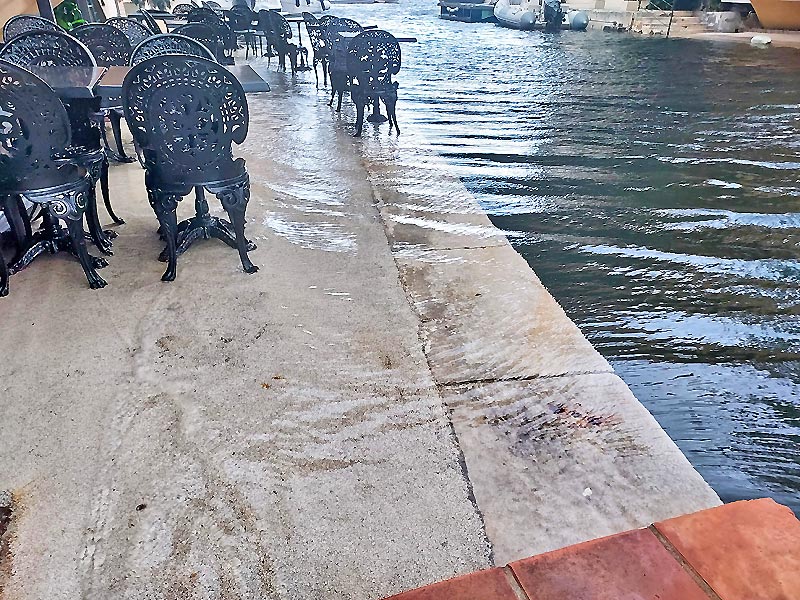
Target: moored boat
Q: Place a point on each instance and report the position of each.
(539, 14)
(778, 14)
(467, 12)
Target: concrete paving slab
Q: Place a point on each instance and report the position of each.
(486, 316)
(561, 460)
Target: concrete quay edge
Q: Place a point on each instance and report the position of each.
(556, 447)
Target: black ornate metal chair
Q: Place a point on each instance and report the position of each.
(204, 34)
(240, 20)
(110, 48)
(337, 53)
(20, 24)
(225, 34)
(133, 30)
(185, 113)
(373, 58)
(35, 139)
(59, 49)
(317, 36)
(278, 32)
(169, 43)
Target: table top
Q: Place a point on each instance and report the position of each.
(70, 82)
(352, 34)
(111, 82)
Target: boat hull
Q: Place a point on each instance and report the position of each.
(466, 12)
(778, 14)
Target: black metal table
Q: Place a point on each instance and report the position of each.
(70, 82)
(111, 82)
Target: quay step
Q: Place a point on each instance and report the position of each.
(657, 22)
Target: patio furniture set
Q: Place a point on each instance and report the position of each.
(185, 112)
(184, 108)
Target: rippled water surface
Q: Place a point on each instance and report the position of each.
(653, 185)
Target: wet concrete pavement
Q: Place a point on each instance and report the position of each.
(338, 425)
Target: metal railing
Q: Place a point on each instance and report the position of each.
(660, 5)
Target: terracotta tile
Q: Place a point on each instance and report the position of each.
(491, 584)
(745, 551)
(631, 565)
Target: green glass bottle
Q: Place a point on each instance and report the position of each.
(68, 15)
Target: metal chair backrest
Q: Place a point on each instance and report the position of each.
(150, 21)
(310, 18)
(109, 46)
(317, 37)
(215, 6)
(325, 19)
(205, 34)
(47, 49)
(241, 18)
(133, 30)
(210, 18)
(373, 57)
(185, 113)
(167, 44)
(337, 43)
(35, 130)
(20, 24)
(183, 9)
(201, 15)
(280, 25)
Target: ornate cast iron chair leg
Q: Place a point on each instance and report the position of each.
(107, 197)
(26, 221)
(391, 103)
(360, 100)
(165, 204)
(93, 222)
(76, 236)
(16, 215)
(234, 201)
(3, 276)
(116, 118)
(293, 58)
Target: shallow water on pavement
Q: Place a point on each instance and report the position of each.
(653, 186)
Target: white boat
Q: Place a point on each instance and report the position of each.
(539, 14)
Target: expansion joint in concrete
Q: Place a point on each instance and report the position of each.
(698, 579)
(515, 584)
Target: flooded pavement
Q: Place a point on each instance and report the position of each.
(652, 185)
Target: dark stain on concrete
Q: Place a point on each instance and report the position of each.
(7, 510)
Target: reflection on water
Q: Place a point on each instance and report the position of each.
(653, 186)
